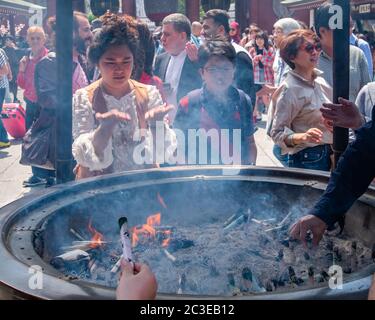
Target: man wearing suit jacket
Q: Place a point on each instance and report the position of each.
(179, 73)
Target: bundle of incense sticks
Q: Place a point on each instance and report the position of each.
(125, 240)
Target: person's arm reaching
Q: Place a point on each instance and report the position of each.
(348, 182)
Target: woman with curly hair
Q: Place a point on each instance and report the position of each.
(116, 117)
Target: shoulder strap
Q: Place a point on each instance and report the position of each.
(243, 103)
(356, 43)
(142, 100)
(195, 99)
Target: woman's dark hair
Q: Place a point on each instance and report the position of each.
(216, 47)
(146, 50)
(115, 31)
(262, 35)
(290, 45)
(143, 61)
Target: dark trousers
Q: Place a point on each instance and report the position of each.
(3, 132)
(13, 88)
(42, 173)
(32, 113)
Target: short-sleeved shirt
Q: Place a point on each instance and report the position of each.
(200, 110)
(3, 61)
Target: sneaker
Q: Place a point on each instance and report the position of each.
(34, 181)
(50, 182)
(4, 144)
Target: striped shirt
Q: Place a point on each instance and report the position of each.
(3, 61)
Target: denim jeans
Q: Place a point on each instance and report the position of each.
(43, 173)
(314, 158)
(282, 158)
(3, 132)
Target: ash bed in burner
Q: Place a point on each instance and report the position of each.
(203, 233)
(244, 254)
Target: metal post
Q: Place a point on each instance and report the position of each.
(64, 53)
(341, 73)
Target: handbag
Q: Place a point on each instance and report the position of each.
(35, 148)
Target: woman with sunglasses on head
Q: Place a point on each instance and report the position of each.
(298, 127)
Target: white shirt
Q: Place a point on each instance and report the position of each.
(172, 77)
(121, 146)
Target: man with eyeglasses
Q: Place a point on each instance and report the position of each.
(216, 22)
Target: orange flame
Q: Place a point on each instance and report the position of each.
(154, 220)
(166, 241)
(161, 201)
(97, 238)
(147, 232)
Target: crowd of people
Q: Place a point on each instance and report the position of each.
(204, 76)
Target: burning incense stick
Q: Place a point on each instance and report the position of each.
(125, 240)
(117, 265)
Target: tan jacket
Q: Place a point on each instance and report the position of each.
(297, 110)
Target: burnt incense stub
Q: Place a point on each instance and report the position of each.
(201, 232)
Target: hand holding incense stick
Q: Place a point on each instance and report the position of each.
(125, 240)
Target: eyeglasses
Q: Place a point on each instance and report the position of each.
(310, 47)
(231, 29)
(215, 70)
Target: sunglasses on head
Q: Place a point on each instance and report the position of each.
(310, 47)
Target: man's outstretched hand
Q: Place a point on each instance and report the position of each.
(345, 114)
(307, 223)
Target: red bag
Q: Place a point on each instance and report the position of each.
(13, 116)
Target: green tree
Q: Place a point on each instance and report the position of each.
(182, 9)
(181, 6)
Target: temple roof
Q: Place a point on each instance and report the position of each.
(302, 4)
(18, 7)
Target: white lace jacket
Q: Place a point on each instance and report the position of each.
(123, 156)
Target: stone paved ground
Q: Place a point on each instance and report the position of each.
(12, 173)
